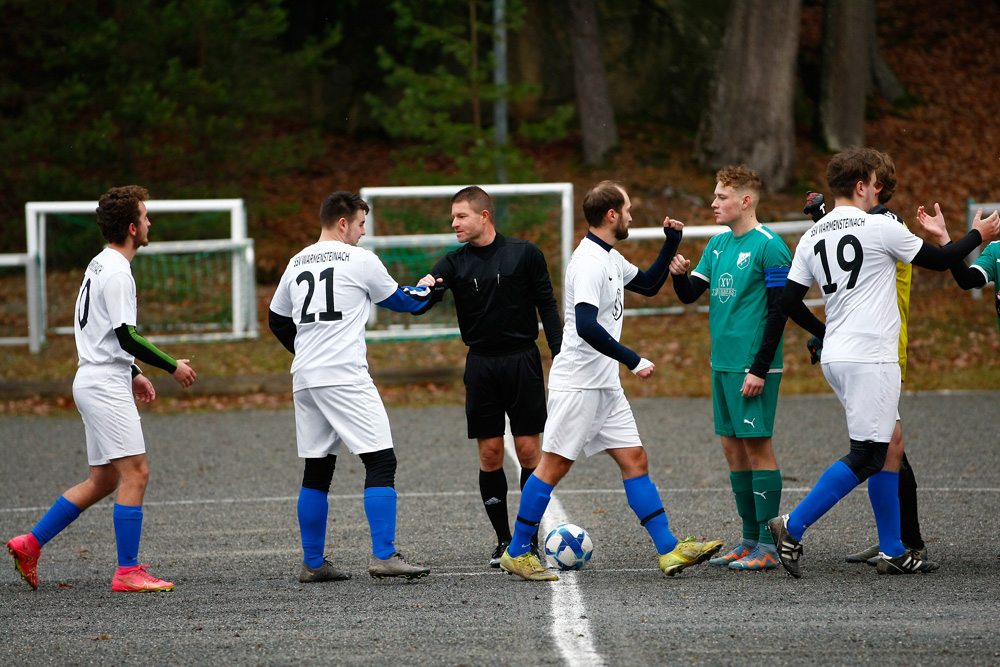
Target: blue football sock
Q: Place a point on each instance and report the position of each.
(128, 531)
(535, 498)
(60, 515)
(380, 508)
(313, 508)
(883, 491)
(836, 482)
(645, 501)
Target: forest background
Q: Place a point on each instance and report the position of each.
(281, 102)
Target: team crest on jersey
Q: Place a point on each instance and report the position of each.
(724, 288)
(743, 261)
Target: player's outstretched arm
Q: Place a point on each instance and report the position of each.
(416, 300)
(649, 282)
(184, 374)
(598, 338)
(797, 311)
(687, 289)
(942, 259)
(144, 351)
(935, 225)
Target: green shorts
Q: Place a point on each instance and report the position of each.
(741, 417)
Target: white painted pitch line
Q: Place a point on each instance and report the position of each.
(449, 494)
(570, 628)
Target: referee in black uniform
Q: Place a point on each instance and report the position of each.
(498, 284)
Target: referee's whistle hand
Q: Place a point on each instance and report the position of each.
(184, 374)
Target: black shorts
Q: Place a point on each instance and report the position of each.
(499, 384)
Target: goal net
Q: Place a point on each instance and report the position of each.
(190, 289)
(400, 226)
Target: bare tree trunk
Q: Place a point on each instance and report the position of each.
(597, 116)
(477, 118)
(846, 72)
(885, 80)
(750, 117)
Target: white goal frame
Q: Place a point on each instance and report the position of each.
(372, 241)
(243, 261)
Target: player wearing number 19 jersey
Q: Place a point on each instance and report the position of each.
(852, 255)
(106, 379)
(318, 312)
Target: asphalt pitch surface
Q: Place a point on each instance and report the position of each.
(220, 521)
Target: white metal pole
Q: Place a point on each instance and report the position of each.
(35, 333)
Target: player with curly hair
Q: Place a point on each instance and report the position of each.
(885, 183)
(108, 345)
(852, 254)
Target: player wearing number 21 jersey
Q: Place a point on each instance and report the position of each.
(318, 312)
(852, 255)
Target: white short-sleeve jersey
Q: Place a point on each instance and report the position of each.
(105, 302)
(598, 277)
(852, 255)
(328, 290)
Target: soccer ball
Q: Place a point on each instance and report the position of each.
(568, 547)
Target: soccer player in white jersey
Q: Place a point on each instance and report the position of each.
(852, 255)
(108, 346)
(588, 411)
(319, 313)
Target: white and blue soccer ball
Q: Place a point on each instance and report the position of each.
(568, 547)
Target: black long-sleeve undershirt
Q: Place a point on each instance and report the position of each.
(942, 259)
(774, 327)
(689, 288)
(283, 329)
(965, 276)
(598, 337)
(649, 282)
(140, 348)
(797, 311)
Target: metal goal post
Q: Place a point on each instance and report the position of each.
(243, 287)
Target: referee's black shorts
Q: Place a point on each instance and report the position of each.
(508, 383)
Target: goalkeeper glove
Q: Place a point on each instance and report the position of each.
(815, 346)
(815, 205)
